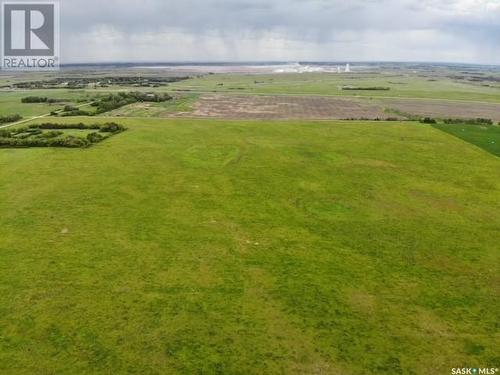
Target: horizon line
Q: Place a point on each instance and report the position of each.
(270, 62)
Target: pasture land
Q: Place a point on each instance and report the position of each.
(282, 245)
(236, 247)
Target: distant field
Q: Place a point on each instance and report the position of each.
(247, 106)
(297, 247)
(443, 109)
(412, 93)
(407, 85)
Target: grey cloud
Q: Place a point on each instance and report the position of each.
(322, 27)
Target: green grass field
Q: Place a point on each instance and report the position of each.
(180, 103)
(10, 101)
(218, 247)
(485, 137)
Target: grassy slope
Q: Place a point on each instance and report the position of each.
(404, 86)
(233, 247)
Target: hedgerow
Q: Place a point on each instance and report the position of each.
(52, 135)
(10, 118)
(475, 121)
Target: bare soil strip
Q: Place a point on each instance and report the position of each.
(444, 109)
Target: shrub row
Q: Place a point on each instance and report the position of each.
(371, 119)
(374, 88)
(109, 127)
(33, 136)
(428, 120)
(69, 141)
(458, 121)
(76, 112)
(150, 97)
(41, 99)
(54, 126)
(10, 118)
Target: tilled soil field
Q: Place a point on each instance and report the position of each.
(284, 107)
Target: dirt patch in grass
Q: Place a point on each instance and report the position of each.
(284, 107)
(444, 109)
(362, 302)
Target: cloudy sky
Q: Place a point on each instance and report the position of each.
(280, 30)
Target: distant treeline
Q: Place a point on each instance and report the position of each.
(82, 83)
(35, 136)
(428, 120)
(476, 121)
(459, 121)
(10, 118)
(477, 77)
(372, 119)
(372, 88)
(41, 99)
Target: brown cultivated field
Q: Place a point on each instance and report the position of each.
(284, 107)
(443, 108)
(288, 107)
